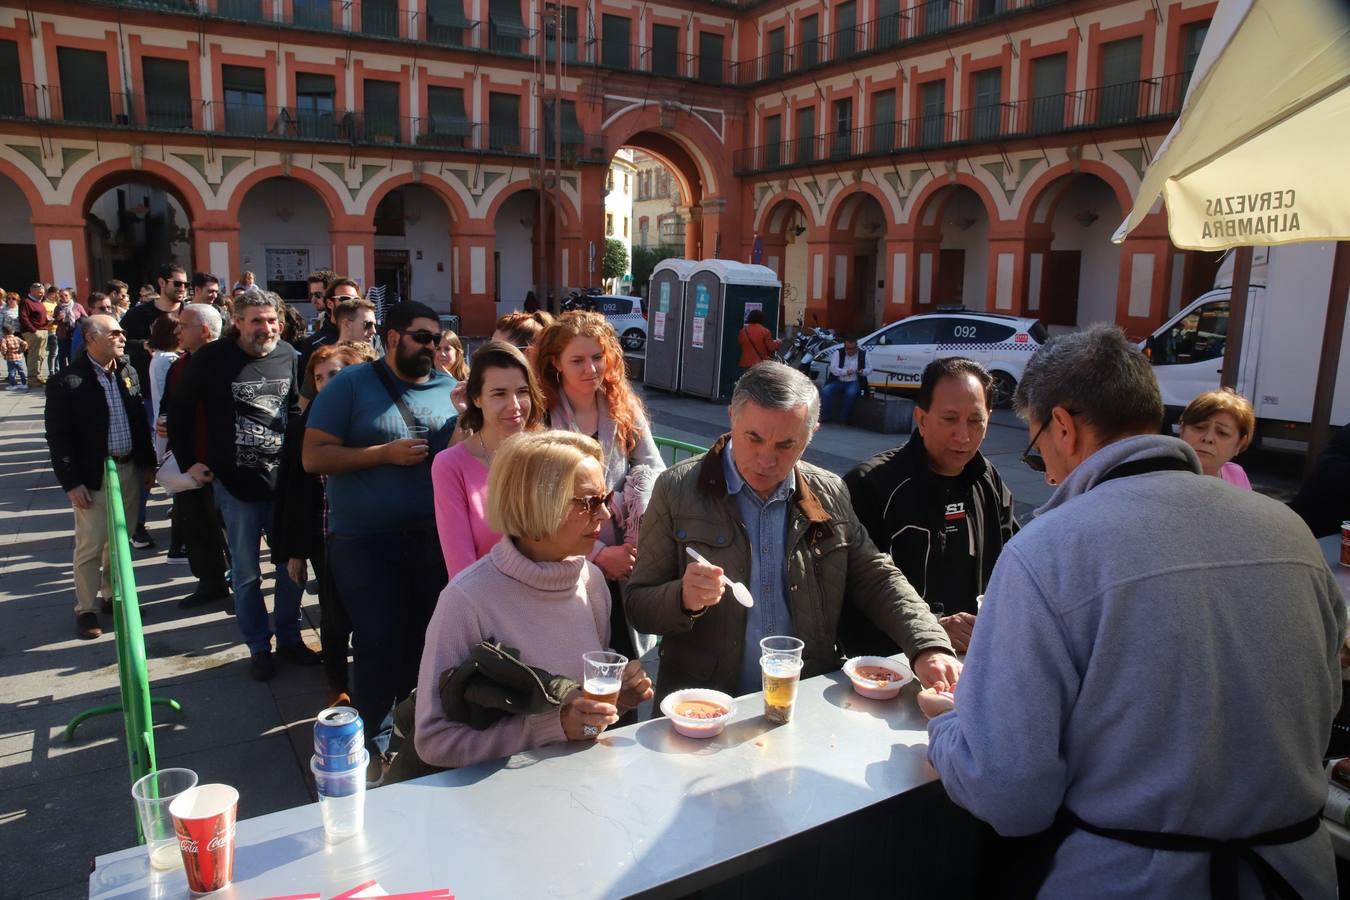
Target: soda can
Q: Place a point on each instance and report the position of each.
(339, 739)
(1345, 544)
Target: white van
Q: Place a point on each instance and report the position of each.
(1281, 346)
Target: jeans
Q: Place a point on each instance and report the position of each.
(18, 372)
(335, 631)
(389, 583)
(198, 524)
(246, 523)
(838, 393)
(62, 354)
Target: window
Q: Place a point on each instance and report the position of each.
(777, 46)
(845, 30)
(643, 225)
(1048, 85)
(572, 136)
(381, 111)
(663, 184)
(910, 332)
(1197, 337)
(506, 29)
(248, 10)
(569, 36)
(446, 22)
(614, 41)
(888, 23)
(1118, 96)
(379, 17)
(985, 9)
(773, 140)
(933, 17)
(447, 124)
(810, 42)
(972, 331)
(314, 111)
(843, 128)
(168, 98)
(245, 93)
(883, 122)
(710, 57)
(625, 183)
(665, 50)
(13, 93)
(1192, 38)
(806, 134)
(389, 218)
(609, 181)
(625, 226)
(609, 224)
(312, 13)
(504, 123)
(84, 85)
(933, 107)
(987, 88)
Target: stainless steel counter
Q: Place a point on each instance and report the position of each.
(643, 810)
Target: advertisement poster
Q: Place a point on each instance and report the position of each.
(287, 265)
(698, 333)
(659, 326)
(751, 307)
(665, 297)
(702, 306)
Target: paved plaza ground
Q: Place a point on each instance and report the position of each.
(61, 804)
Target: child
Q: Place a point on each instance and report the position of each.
(14, 347)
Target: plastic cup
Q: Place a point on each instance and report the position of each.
(204, 818)
(419, 431)
(602, 679)
(342, 796)
(153, 794)
(780, 664)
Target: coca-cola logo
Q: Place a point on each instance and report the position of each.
(220, 841)
(187, 845)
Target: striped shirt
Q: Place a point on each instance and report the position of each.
(119, 427)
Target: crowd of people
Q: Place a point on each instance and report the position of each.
(516, 500)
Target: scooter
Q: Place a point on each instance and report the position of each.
(806, 346)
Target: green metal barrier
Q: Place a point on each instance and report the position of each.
(677, 447)
(131, 671)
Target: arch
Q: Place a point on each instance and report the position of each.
(837, 206)
(24, 183)
(104, 176)
(564, 206)
(704, 150)
(453, 202)
(764, 219)
(938, 189)
(337, 209)
(1035, 208)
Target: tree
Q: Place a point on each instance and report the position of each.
(615, 263)
(645, 260)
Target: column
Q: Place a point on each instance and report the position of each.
(721, 228)
(692, 217)
(63, 254)
(897, 262)
(472, 279)
(1015, 265)
(1145, 277)
(829, 268)
(215, 249)
(354, 250)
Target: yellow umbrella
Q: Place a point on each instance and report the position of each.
(1257, 156)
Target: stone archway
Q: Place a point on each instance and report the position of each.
(18, 246)
(134, 222)
(951, 224)
(284, 234)
(784, 229)
(858, 228)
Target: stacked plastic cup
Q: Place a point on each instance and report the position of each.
(339, 767)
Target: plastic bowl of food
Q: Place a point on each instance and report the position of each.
(877, 677)
(698, 713)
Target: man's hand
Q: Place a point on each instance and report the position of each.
(295, 568)
(960, 628)
(406, 451)
(617, 561)
(200, 474)
(701, 586)
(79, 497)
(162, 428)
(937, 667)
(583, 720)
(637, 686)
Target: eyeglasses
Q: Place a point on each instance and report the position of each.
(1036, 463)
(316, 295)
(423, 337)
(367, 326)
(179, 283)
(593, 504)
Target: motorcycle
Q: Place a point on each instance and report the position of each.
(806, 346)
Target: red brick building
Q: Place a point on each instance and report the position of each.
(889, 156)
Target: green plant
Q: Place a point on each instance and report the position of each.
(615, 263)
(645, 260)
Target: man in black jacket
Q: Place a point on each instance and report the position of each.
(94, 410)
(936, 504)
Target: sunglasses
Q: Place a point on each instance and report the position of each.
(179, 283)
(423, 337)
(367, 326)
(593, 504)
(1032, 457)
(316, 295)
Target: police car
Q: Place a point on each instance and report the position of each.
(897, 353)
(626, 315)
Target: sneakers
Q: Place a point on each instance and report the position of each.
(176, 555)
(299, 654)
(262, 667)
(200, 597)
(87, 626)
(140, 539)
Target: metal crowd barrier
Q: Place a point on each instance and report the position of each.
(676, 448)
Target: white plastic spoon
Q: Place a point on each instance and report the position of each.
(738, 590)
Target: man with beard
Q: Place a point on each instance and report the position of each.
(245, 389)
(373, 431)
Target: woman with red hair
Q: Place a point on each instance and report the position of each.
(579, 364)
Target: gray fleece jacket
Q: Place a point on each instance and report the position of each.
(1157, 652)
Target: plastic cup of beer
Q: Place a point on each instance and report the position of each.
(602, 678)
(780, 662)
(419, 431)
(153, 793)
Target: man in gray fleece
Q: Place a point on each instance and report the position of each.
(1156, 652)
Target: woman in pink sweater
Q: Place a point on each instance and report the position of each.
(1219, 425)
(534, 591)
(503, 400)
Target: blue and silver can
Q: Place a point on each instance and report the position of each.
(339, 739)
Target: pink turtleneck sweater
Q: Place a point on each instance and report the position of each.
(552, 612)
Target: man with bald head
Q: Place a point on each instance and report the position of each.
(95, 410)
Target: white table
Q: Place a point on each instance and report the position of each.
(642, 810)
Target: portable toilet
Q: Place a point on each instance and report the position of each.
(720, 295)
(665, 323)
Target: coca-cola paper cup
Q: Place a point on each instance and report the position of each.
(204, 820)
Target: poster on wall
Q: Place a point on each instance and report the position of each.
(751, 307)
(287, 265)
(702, 306)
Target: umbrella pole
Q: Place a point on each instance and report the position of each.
(1332, 337)
(1237, 317)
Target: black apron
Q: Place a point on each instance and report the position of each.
(1038, 851)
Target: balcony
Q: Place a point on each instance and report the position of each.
(1131, 103)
